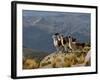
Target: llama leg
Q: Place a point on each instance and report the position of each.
(70, 49)
(65, 47)
(61, 48)
(57, 49)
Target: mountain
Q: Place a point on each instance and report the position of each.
(27, 52)
(39, 26)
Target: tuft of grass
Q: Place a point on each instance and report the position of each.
(30, 63)
(76, 57)
(46, 63)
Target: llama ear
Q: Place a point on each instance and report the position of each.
(69, 37)
(56, 33)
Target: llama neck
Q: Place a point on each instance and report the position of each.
(55, 41)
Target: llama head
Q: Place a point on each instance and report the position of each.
(56, 34)
(59, 37)
(70, 38)
(54, 37)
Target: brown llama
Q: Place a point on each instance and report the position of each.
(73, 44)
(64, 42)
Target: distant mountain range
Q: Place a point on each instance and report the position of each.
(27, 52)
(39, 26)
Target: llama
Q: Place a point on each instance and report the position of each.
(70, 44)
(57, 42)
(64, 42)
(73, 45)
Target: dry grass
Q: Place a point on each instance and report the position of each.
(59, 60)
(76, 57)
(30, 63)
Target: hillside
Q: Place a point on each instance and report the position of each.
(27, 52)
(59, 60)
(71, 59)
(32, 58)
